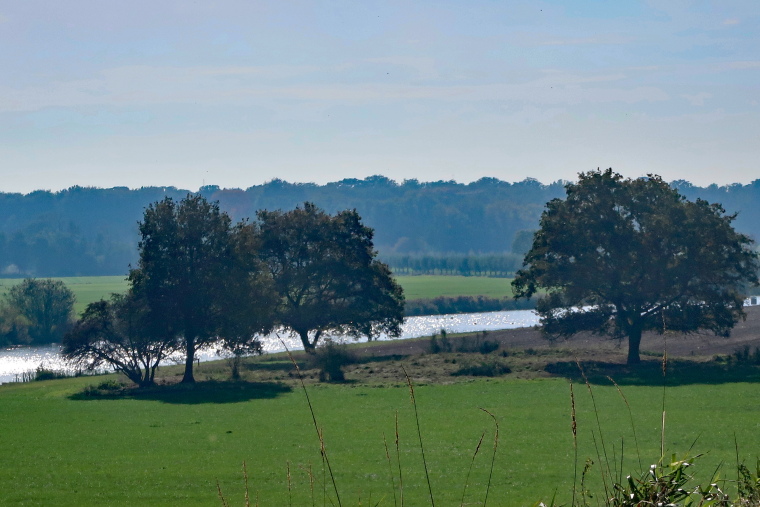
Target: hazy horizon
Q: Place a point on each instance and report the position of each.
(397, 182)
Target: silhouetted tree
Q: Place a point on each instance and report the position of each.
(620, 256)
(117, 334)
(326, 276)
(189, 277)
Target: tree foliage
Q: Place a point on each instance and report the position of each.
(326, 277)
(117, 334)
(37, 312)
(193, 285)
(201, 281)
(620, 256)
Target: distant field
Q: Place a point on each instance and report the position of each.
(92, 288)
(429, 286)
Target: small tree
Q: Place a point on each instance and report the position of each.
(326, 276)
(621, 256)
(117, 334)
(45, 306)
(14, 327)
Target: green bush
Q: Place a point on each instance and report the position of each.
(436, 346)
(105, 388)
(483, 369)
(42, 373)
(745, 356)
(330, 360)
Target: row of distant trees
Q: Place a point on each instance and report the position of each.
(492, 265)
(93, 231)
(201, 279)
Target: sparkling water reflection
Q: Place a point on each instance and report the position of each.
(14, 362)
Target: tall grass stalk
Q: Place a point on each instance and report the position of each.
(575, 441)
(664, 386)
(419, 435)
(320, 435)
(221, 496)
(469, 471)
(290, 487)
(311, 480)
(602, 463)
(245, 479)
(398, 461)
(493, 456)
(390, 470)
(630, 415)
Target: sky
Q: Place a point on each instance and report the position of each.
(237, 93)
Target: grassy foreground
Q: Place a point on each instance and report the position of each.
(92, 288)
(170, 446)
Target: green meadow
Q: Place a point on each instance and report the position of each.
(431, 286)
(92, 288)
(170, 446)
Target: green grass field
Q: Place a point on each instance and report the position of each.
(170, 447)
(428, 286)
(93, 288)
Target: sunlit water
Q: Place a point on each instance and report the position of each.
(16, 361)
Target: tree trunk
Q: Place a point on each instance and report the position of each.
(634, 342)
(308, 347)
(189, 360)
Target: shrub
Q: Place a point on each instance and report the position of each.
(42, 373)
(484, 369)
(330, 360)
(745, 356)
(436, 346)
(488, 346)
(477, 343)
(106, 388)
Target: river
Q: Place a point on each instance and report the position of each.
(16, 361)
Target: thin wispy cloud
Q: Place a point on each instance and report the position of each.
(247, 91)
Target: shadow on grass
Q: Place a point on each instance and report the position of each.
(649, 372)
(194, 394)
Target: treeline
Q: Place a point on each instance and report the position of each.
(501, 265)
(55, 249)
(464, 304)
(92, 231)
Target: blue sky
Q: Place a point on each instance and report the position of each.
(236, 93)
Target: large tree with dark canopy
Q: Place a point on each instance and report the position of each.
(620, 256)
(194, 284)
(326, 276)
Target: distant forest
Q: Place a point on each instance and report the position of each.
(442, 225)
